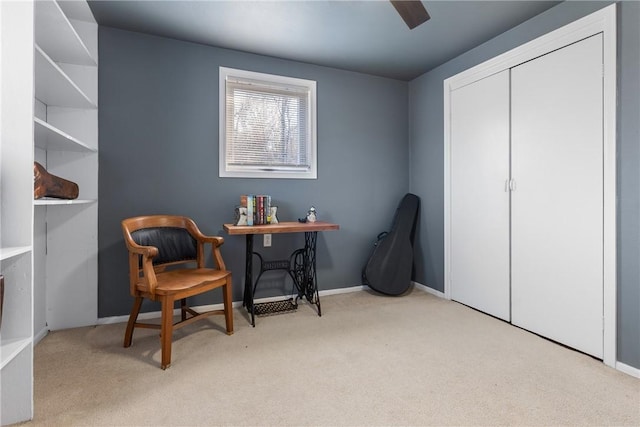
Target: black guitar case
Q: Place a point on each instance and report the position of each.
(389, 268)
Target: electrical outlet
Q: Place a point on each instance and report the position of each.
(267, 241)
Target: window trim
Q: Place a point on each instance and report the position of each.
(250, 172)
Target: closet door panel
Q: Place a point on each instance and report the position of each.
(557, 207)
(479, 243)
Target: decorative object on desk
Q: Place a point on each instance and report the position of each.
(47, 185)
(272, 215)
(389, 267)
(311, 214)
(1, 297)
(241, 216)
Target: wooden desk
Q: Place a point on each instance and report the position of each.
(301, 266)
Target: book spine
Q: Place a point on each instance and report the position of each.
(268, 210)
(259, 201)
(255, 209)
(250, 200)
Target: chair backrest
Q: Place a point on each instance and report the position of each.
(173, 236)
(174, 244)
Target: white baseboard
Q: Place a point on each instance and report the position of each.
(365, 287)
(428, 290)
(38, 337)
(157, 314)
(630, 370)
(343, 290)
(236, 304)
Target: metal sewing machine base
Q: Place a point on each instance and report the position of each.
(301, 266)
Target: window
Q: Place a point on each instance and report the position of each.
(267, 126)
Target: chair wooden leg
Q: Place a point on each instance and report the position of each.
(166, 331)
(183, 309)
(228, 306)
(133, 317)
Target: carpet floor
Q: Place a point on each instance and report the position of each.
(370, 360)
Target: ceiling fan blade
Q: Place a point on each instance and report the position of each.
(412, 11)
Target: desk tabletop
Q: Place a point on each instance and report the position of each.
(281, 227)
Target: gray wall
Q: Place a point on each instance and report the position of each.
(629, 183)
(159, 154)
(426, 136)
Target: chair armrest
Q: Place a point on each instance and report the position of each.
(145, 251)
(148, 272)
(216, 242)
(217, 256)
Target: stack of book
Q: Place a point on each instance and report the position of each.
(258, 208)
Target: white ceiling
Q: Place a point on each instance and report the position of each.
(364, 36)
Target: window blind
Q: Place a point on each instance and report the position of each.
(267, 125)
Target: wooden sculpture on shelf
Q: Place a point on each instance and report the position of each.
(47, 185)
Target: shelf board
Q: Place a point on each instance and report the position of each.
(78, 10)
(50, 138)
(9, 252)
(11, 348)
(56, 36)
(60, 202)
(54, 87)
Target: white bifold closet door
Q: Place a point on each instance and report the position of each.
(557, 205)
(526, 196)
(479, 205)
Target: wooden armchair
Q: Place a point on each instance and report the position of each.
(161, 247)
